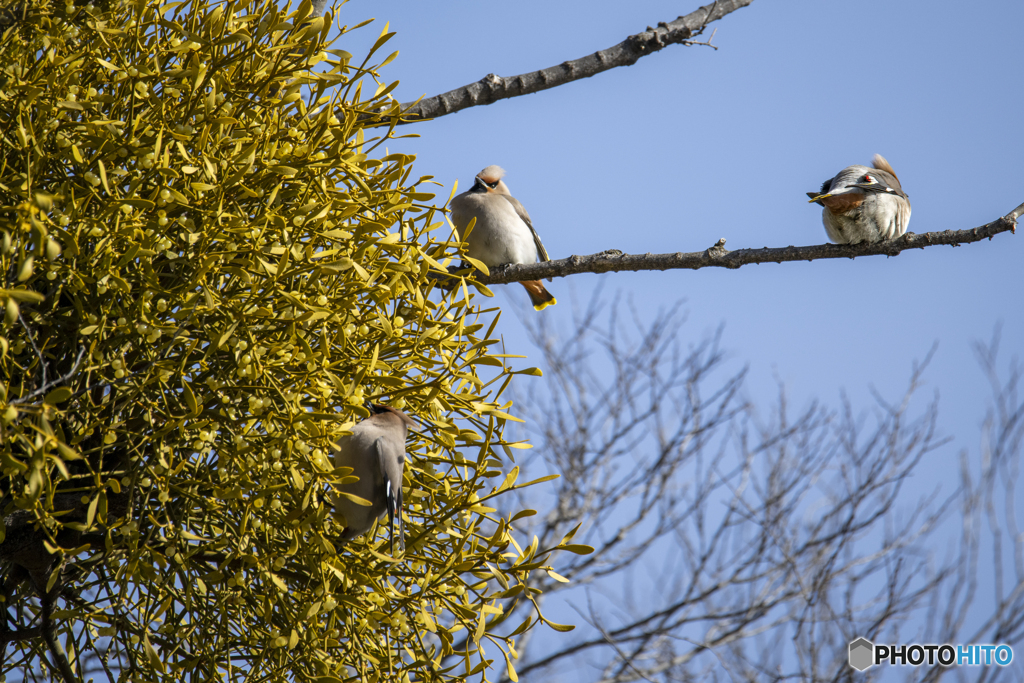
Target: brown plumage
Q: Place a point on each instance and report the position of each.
(503, 232)
(375, 450)
(862, 204)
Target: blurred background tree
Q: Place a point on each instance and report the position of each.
(209, 266)
(744, 542)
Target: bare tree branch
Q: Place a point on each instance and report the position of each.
(46, 386)
(49, 632)
(492, 87)
(318, 8)
(28, 633)
(717, 256)
(718, 533)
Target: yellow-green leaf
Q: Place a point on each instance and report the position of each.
(190, 398)
(557, 577)
(577, 548)
(58, 395)
(512, 675)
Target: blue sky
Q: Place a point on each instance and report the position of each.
(691, 144)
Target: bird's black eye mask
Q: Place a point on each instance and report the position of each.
(482, 185)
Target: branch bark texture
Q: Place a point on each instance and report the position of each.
(492, 87)
(718, 256)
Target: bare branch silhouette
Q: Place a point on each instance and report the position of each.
(719, 532)
(492, 88)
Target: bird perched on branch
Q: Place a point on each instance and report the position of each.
(863, 204)
(503, 232)
(375, 450)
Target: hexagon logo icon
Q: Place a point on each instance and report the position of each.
(862, 653)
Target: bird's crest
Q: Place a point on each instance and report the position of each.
(881, 164)
(378, 408)
(491, 174)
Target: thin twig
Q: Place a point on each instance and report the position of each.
(707, 43)
(181, 327)
(39, 354)
(47, 385)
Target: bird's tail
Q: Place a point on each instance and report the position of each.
(539, 296)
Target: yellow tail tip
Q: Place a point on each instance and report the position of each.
(820, 196)
(541, 307)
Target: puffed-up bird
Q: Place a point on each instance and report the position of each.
(503, 232)
(375, 450)
(863, 204)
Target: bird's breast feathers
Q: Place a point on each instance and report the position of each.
(499, 236)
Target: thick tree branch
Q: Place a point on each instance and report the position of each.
(492, 87)
(49, 632)
(717, 256)
(20, 635)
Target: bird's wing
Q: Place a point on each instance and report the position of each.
(882, 183)
(390, 461)
(542, 253)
